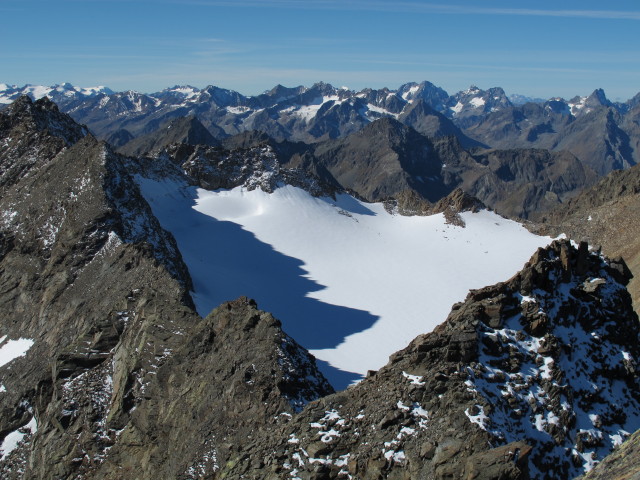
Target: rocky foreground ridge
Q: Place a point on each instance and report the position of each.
(112, 374)
(532, 378)
(95, 302)
(605, 215)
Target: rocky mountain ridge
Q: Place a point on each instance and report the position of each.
(601, 133)
(96, 295)
(388, 161)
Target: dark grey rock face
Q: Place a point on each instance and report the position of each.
(433, 124)
(381, 160)
(231, 375)
(258, 166)
(518, 182)
(185, 130)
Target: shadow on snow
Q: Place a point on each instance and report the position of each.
(226, 262)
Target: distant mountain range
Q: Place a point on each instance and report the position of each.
(602, 134)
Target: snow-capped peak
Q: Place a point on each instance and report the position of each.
(474, 101)
(91, 91)
(60, 93)
(576, 105)
(70, 90)
(185, 91)
(582, 105)
(410, 93)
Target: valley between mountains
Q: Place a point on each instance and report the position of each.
(318, 283)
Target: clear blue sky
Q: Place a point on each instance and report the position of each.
(543, 48)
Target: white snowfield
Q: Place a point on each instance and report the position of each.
(13, 349)
(13, 439)
(348, 280)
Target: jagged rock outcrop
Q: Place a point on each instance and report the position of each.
(257, 166)
(408, 202)
(455, 203)
(605, 216)
(230, 376)
(532, 378)
(32, 133)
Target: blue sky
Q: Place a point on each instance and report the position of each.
(534, 48)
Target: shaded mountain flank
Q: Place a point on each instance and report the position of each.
(187, 130)
(518, 182)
